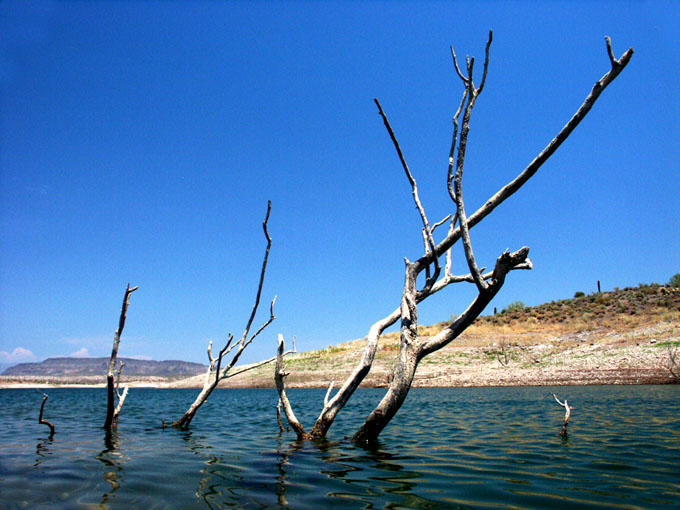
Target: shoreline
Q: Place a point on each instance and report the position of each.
(629, 336)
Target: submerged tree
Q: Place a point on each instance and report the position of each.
(112, 389)
(413, 348)
(567, 414)
(216, 372)
(41, 420)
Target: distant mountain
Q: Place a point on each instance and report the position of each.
(99, 366)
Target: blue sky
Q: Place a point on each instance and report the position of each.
(140, 142)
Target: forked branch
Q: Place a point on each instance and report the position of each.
(513, 186)
(216, 372)
(567, 414)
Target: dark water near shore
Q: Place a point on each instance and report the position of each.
(447, 448)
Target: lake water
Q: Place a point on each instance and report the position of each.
(447, 448)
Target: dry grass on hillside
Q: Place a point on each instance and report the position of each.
(619, 336)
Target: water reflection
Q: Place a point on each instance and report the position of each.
(214, 474)
(113, 459)
(447, 450)
(43, 450)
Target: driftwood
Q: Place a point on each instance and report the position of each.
(216, 372)
(113, 410)
(40, 418)
(412, 347)
(567, 414)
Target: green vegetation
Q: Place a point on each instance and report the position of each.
(675, 280)
(514, 306)
(579, 294)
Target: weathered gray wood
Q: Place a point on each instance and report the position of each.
(412, 347)
(215, 372)
(112, 410)
(279, 376)
(567, 414)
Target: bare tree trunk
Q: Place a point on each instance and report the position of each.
(110, 391)
(40, 418)
(279, 376)
(393, 399)
(216, 372)
(414, 348)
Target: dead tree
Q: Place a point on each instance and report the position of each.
(567, 414)
(412, 347)
(503, 361)
(40, 418)
(216, 372)
(113, 410)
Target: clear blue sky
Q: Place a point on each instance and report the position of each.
(140, 142)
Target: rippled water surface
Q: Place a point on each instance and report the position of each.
(447, 448)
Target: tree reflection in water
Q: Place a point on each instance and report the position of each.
(113, 459)
(43, 450)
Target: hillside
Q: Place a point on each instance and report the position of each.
(628, 336)
(84, 367)
(620, 337)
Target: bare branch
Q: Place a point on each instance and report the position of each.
(262, 273)
(412, 182)
(121, 401)
(211, 383)
(271, 319)
(458, 179)
(505, 263)
(610, 52)
(228, 346)
(567, 414)
(441, 222)
(120, 370)
(259, 364)
(455, 64)
(486, 62)
(279, 375)
(40, 418)
(449, 256)
(328, 393)
(452, 150)
(512, 187)
(210, 356)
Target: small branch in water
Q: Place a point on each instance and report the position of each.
(40, 418)
(567, 414)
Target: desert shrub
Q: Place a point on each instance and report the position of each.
(515, 306)
(579, 294)
(675, 280)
